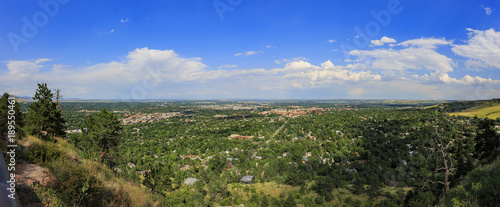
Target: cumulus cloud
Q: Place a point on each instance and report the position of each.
(309, 75)
(482, 48)
(421, 55)
(404, 59)
(166, 62)
(437, 78)
(414, 66)
(155, 70)
(25, 67)
(124, 20)
(382, 41)
(163, 66)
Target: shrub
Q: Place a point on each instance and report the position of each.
(319, 200)
(43, 153)
(47, 196)
(76, 184)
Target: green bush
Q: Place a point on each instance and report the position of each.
(47, 195)
(43, 153)
(319, 200)
(76, 185)
(483, 184)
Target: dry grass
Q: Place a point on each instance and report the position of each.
(433, 106)
(130, 193)
(31, 139)
(491, 112)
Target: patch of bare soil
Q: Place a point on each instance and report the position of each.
(27, 174)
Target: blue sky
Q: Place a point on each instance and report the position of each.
(177, 49)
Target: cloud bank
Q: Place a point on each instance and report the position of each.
(414, 68)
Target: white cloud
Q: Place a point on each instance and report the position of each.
(227, 66)
(269, 46)
(414, 67)
(482, 48)
(248, 53)
(382, 41)
(434, 78)
(404, 59)
(430, 43)
(331, 41)
(311, 76)
(286, 60)
(26, 67)
(157, 66)
(420, 55)
(160, 70)
(124, 20)
(487, 10)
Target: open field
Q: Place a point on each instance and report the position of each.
(492, 112)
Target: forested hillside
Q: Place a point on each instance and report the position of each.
(300, 153)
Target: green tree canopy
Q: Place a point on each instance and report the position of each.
(10, 114)
(43, 116)
(101, 132)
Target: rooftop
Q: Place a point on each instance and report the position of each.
(190, 181)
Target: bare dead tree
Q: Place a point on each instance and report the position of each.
(446, 164)
(58, 96)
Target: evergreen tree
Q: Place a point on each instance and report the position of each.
(217, 164)
(265, 201)
(10, 112)
(359, 185)
(43, 116)
(102, 131)
(487, 140)
(158, 179)
(290, 201)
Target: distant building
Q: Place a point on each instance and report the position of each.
(239, 137)
(247, 179)
(190, 181)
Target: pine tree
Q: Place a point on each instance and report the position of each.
(16, 119)
(158, 179)
(265, 201)
(101, 132)
(43, 116)
(290, 201)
